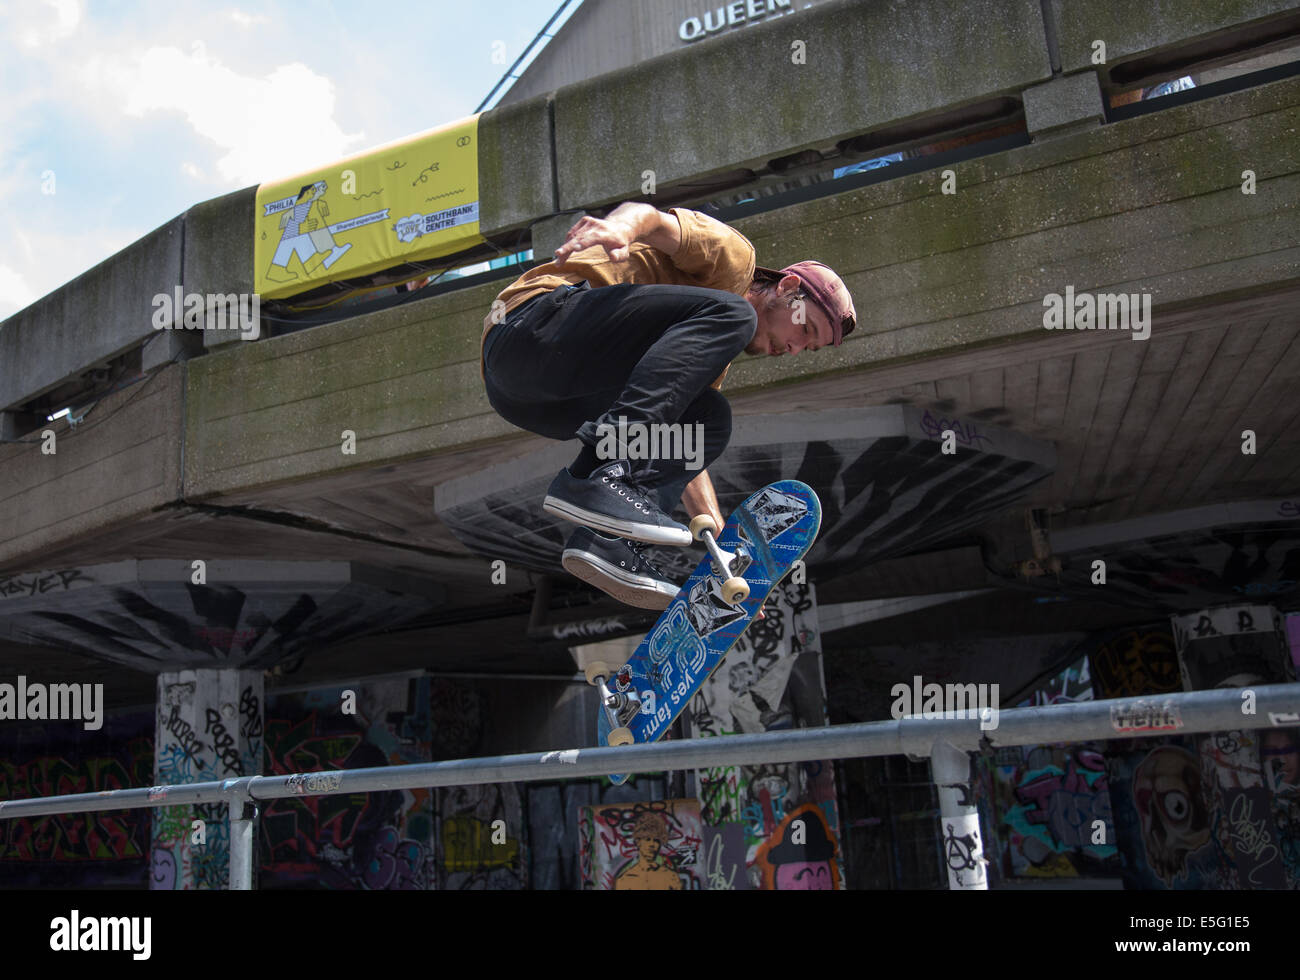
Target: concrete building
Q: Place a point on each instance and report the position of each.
(1117, 514)
(603, 36)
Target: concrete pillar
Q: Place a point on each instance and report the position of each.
(209, 728)
(773, 826)
(1240, 646)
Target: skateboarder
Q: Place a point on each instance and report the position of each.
(634, 324)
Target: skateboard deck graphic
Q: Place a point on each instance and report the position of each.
(773, 529)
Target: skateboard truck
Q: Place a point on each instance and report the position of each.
(735, 589)
(620, 707)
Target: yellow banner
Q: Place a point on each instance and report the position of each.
(413, 199)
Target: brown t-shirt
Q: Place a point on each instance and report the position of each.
(712, 255)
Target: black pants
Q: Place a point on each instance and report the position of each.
(577, 358)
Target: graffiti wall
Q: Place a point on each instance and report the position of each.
(771, 680)
(380, 840)
(1203, 813)
(1047, 801)
(653, 846)
(1164, 819)
(1054, 812)
(481, 844)
(108, 849)
(209, 726)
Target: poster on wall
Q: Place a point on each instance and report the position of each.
(651, 846)
(412, 199)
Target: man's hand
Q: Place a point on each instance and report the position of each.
(626, 225)
(700, 498)
(615, 235)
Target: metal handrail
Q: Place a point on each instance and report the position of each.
(919, 737)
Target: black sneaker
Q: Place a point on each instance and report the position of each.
(608, 501)
(619, 567)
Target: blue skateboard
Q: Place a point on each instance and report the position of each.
(760, 543)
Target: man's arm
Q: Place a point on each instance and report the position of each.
(627, 224)
(699, 498)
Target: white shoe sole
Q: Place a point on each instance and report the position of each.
(648, 533)
(634, 590)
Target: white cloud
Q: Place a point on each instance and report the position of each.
(37, 25)
(14, 292)
(268, 126)
(248, 20)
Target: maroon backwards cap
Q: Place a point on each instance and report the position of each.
(828, 291)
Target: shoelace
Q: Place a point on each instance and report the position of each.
(639, 549)
(632, 490)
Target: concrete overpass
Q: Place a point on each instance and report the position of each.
(230, 452)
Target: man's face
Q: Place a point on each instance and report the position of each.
(786, 325)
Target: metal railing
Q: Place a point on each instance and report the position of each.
(946, 741)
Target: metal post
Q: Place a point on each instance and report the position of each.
(243, 819)
(963, 851)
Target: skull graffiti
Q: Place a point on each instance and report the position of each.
(1167, 791)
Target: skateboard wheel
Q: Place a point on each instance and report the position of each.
(620, 736)
(735, 590)
(596, 670)
(700, 524)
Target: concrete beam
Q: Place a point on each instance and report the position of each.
(115, 468)
(1150, 204)
(1158, 30)
(516, 166)
(98, 316)
(406, 381)
(755, 95)
(219, 251)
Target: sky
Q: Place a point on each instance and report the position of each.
(115, 117)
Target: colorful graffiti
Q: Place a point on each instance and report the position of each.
(1049, 808)
(1163, 818)
(377, 840)
(642, 846)
(800, 854)
(1203, 812)
(76, 850)
(771, 680)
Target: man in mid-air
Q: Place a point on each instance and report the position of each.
(634, 324)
